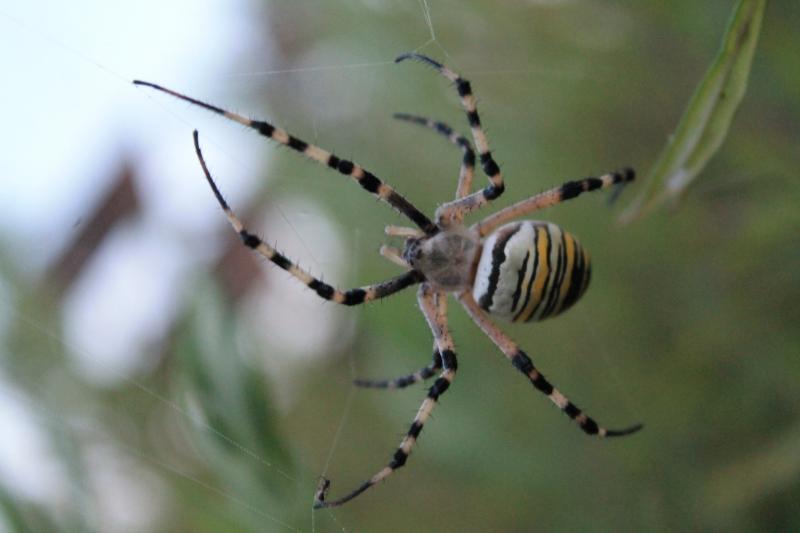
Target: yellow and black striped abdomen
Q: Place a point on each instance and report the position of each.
(529, 271)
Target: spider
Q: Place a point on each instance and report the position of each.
(520, 271)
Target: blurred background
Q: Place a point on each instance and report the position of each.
(155, 376)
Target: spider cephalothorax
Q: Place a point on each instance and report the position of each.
(521, 271)
(447, 259)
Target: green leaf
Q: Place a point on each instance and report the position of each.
(706, 121)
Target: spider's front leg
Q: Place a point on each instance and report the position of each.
(523, 363)
(366, 179)
(437, 320)
(355, 296)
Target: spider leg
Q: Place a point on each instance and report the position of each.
(554, 196)
(496, 186)
(440, 301)
(350, 297)
(524, 364)
(467, 170)
(404, 381)
(366, 179)
(444, 343)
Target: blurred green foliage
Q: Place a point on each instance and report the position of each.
(690, 326)
(704, 125)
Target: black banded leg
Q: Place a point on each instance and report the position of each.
(523, 363)
(365, 178)
(554, 196)
(496, 186)
(467, 171)
(350, 297)
(404, 381)
(438, 325)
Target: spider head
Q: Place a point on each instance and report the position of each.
(447, 259)
(412, 252)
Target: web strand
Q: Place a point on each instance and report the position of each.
(598, 343)
(303, 70)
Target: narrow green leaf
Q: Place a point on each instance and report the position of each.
(707, 118)
(237, 435)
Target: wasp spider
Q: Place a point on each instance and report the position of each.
(520, 271)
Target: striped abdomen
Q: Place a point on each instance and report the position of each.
(530, 270)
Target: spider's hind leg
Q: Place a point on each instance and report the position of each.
(523, 363)
(432, 307)
(404, 381)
